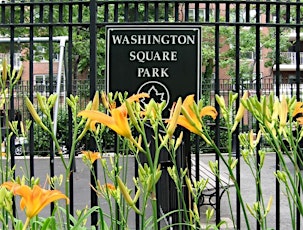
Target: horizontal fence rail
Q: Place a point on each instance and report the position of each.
(253, 46)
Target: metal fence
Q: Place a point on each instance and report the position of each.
(23, 24)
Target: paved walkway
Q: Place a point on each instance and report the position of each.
(82, 188)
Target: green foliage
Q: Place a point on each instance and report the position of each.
(42, 139)
(203, 147)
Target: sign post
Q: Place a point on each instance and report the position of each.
(165, 62)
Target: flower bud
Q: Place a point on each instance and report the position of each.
(95, 103)
(189, 184)
(18, 75)
(220, 100)
(283, 112)
(174, 118)
(233, 163)
(34, 113)
(104, 100)
(179, 141)
(137, 195)
(213, 166)
(132, 116)
(52, 100)
(2, 195)
(125, 192)
(209, 213)
(4, 71)
(281, 175)
(262, 157)
(241, 111)
(42, 103)
(269, 204)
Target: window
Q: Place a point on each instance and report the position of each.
(249, 55)
(17, 59)
(250, 79)
(41, 83)
(242, 16)
(202, 15)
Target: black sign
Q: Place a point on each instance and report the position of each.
(164, 61)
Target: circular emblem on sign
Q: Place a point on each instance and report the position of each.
(156, 90)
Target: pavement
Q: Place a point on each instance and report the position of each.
(82, 189)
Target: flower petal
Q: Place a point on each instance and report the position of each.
(298, 109)
(209, 111)
(97, 116)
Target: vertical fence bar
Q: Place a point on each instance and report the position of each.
(93, 77)
(217, 91)
(298, 79)
(177, 10)
(277, 86)
(258, 92)
(51, 86)
(69, 92)
(156, 14)
(237, 73)
(31, 85)
(11, 97)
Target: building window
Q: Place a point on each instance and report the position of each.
(249, 55)
(7, 57)
(202, 15)
(41, 83)
(243, 15)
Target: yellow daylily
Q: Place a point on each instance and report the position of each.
(298, 109)
(107, 190)
(189, 119)
(300, 120)
(34, 199)
(118, 121)
(91, 156)
(110, 186)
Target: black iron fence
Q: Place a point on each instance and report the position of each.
(241, 42)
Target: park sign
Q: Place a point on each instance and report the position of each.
(163, 61)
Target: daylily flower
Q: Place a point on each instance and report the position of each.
(298, 108)
(91, 156)
(34, 199)
(108, 189)
(110, 186)
(118, 121)
(298, 111)
(300, 120)
(190, 120)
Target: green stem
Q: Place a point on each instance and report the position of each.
(276, 146)
(155, 208)
(234, 180)
(153, 166)
(99, 147)
(26, 223)
(180, 195)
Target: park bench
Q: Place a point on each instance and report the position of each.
(209, 194)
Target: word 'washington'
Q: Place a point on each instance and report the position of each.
(148, 39)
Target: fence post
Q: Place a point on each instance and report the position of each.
(166, 190)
